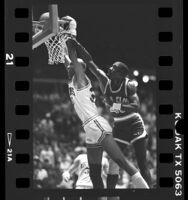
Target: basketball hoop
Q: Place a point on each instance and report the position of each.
(56, 45)
(57, 48)
(54, 32)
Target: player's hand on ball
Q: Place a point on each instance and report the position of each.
(66, 176)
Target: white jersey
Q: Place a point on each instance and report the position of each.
(83, 171)
(83, 100)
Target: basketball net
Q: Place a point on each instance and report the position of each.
(56, 45)
(57, 48)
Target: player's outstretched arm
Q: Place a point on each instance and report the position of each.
(79, 71)
(85, 55)
(99, 74)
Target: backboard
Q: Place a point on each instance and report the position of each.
(48, 31)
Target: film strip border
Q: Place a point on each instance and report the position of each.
(166, 109)
(170, 141)
(18, 105)
(18, 99)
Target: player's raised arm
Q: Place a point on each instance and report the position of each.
(78, 68)
(99, 74)
(85, 55)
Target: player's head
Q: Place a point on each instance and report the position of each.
(118, 70)
(71, 22)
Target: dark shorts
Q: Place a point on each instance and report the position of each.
(130, 130)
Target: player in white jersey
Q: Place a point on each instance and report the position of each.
(122, 99)
(98, 131)
(80, 167)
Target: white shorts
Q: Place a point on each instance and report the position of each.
(83, 187)
(96, 130)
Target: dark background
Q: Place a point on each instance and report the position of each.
(108, 33)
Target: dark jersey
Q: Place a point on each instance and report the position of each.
(131, 122)
(119, 96)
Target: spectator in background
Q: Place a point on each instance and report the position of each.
(47, 156)
(40, 174)
(82, 136)
(66, 162)
(123, 181)
(47, 125)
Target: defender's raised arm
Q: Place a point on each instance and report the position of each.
(85, 55)
(74, 63)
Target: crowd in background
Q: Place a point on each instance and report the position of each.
(58, 136)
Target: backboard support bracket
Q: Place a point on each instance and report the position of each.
(51, 30)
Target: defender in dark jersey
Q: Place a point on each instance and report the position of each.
(121, 91)
(123, 102)
(98, 131)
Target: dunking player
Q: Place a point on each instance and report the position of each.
(98, 131)
(80, 167)
(123, 101)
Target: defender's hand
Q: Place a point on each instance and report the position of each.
(80, 50)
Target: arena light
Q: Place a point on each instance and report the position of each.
(136, 73)
(145, 78)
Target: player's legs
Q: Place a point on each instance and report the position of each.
(113, 174)
(94, 155)
(140, 151)
(98, 131)
(118, 133)
(84, 187)
(112, 178)
(111, 147)
(86, 198)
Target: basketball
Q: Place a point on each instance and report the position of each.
(44, 17)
